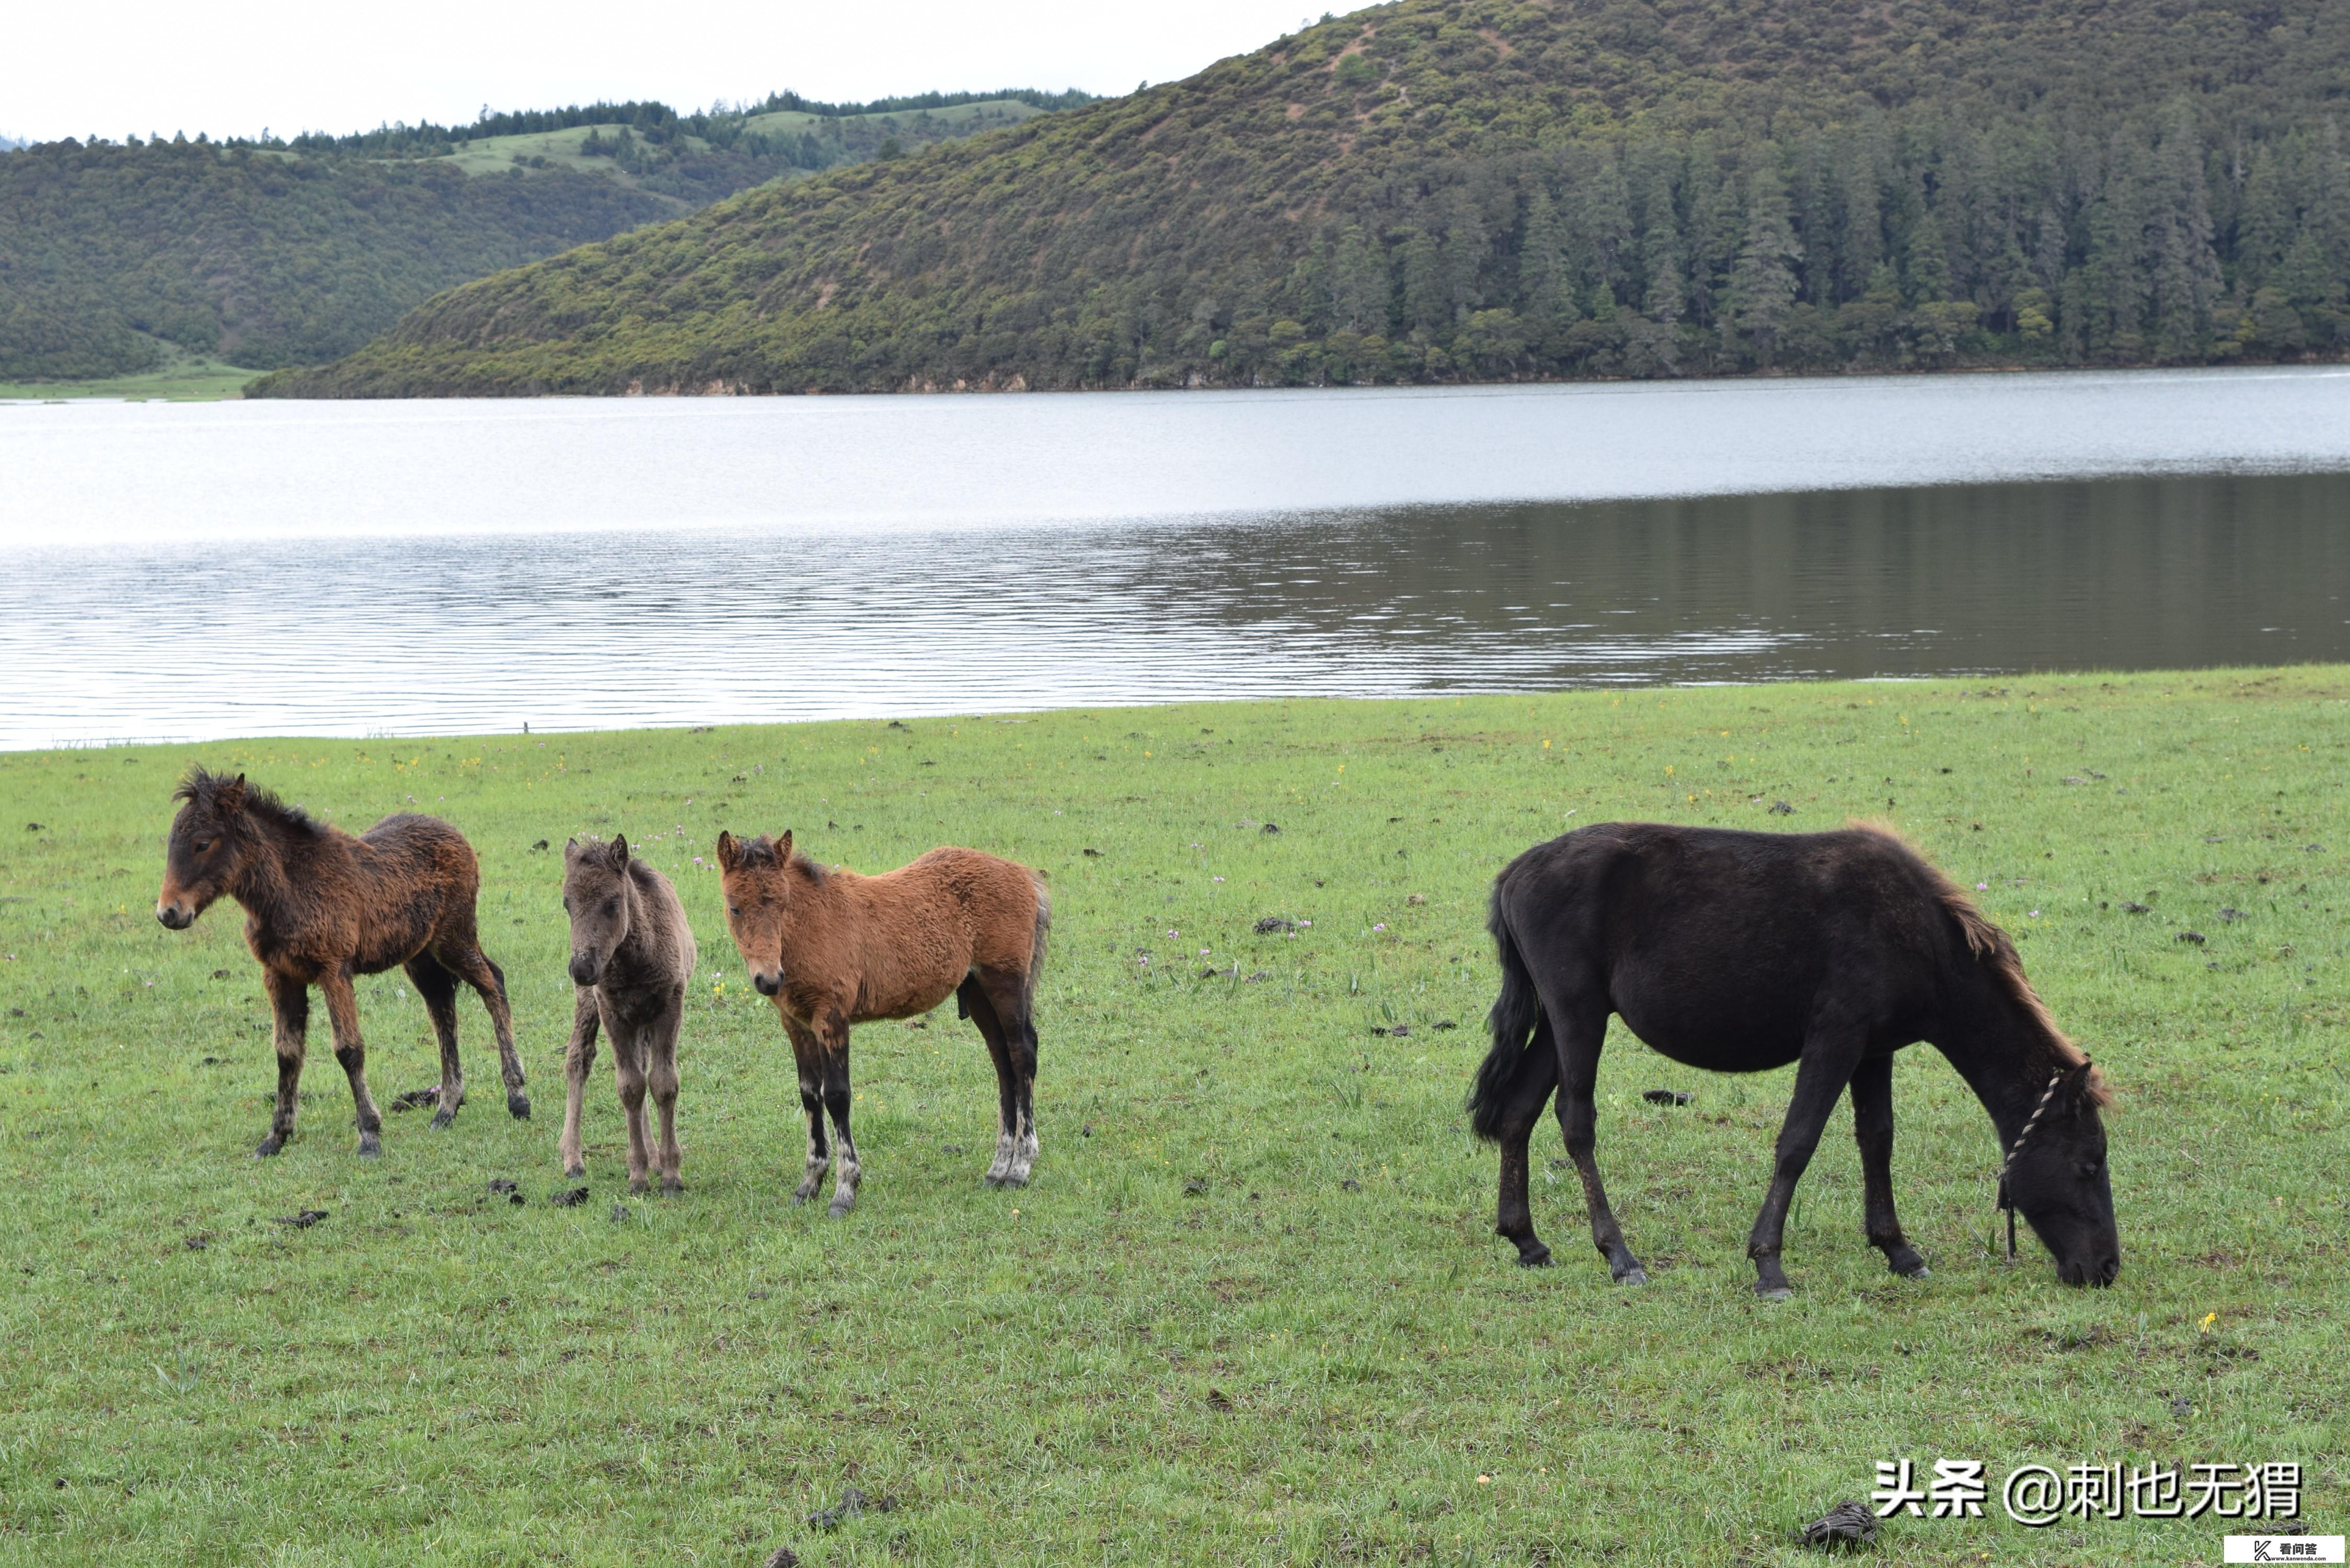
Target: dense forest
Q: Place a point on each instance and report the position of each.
(1494, 189)
(115, 255)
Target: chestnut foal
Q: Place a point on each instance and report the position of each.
(321, 908)
(831, 949)
(631, 956)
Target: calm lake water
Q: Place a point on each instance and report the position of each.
(198, 571)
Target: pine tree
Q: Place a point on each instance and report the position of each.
(1426, 305)
(2185, 272)
(1358, 287)
(1662, 297)
(1762, 279)
(1543, 298)
(1465, 249)
(1860, 238)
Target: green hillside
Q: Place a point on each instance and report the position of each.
(1496, 189)
(116, 259)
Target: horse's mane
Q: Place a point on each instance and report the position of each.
(761, 852)
(1992, 948)
(201, 787)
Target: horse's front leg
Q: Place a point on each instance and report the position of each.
(808, 1055)
(1825, 1068)
(578, 1056)
(1872, 1127)
(343, 1013)
(628, 1066)
(832, 1036)
(289, 1007)
(660, 1070)
(1580, 1038)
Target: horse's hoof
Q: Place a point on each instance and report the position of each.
(574, 1171)
(802, 1195)
(1016, 1178)
(1533, 1256)
(1635, 1275)
(442, 1118)
(993, 1179)
(1920, 1272)
(1775, 1292)
(638, 1184)
(839, 1211)
(370, 1145)
(673, 1187)
(518, 1106)
(269, 1147)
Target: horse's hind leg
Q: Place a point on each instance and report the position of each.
(289, 1005)
(350, 1050)
(1020, 1040)
(473, 967)
(973, 996)
(1581, 1033)
(438, 987)
(578, 1056)
(1872, 1126)
(1529, 1092)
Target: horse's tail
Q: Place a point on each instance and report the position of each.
(1036, 947)
(1516, 1013)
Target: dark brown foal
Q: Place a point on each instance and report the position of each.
(322, 908)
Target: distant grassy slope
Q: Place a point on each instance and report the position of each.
(114, 256)
(192, 379)
(1251, 1311)
(1465, 189)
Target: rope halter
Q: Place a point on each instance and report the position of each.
(2047, 1097)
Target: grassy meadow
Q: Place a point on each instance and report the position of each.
(1251, 1310)
(188, 379)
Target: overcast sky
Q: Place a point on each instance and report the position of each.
(138, 66)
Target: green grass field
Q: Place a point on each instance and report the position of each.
(960, 118)
(1250, 1312)
(193, 378)
(496, 155)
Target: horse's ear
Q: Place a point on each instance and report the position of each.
(619, 852)
(730, 854)
(570, 850)
(783, 847)
(229, 798)
(2085, 1088)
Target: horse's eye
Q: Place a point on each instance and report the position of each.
(611, 906)
(734, 912)
(203, 846)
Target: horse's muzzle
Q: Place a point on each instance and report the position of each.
(2098, 1272)
(768, 985)
(176, 917)
(585, 970)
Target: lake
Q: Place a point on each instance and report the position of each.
(205, 570)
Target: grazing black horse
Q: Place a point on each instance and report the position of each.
(1739, 952)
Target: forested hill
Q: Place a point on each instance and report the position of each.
(1452, 189)
(115, 255)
